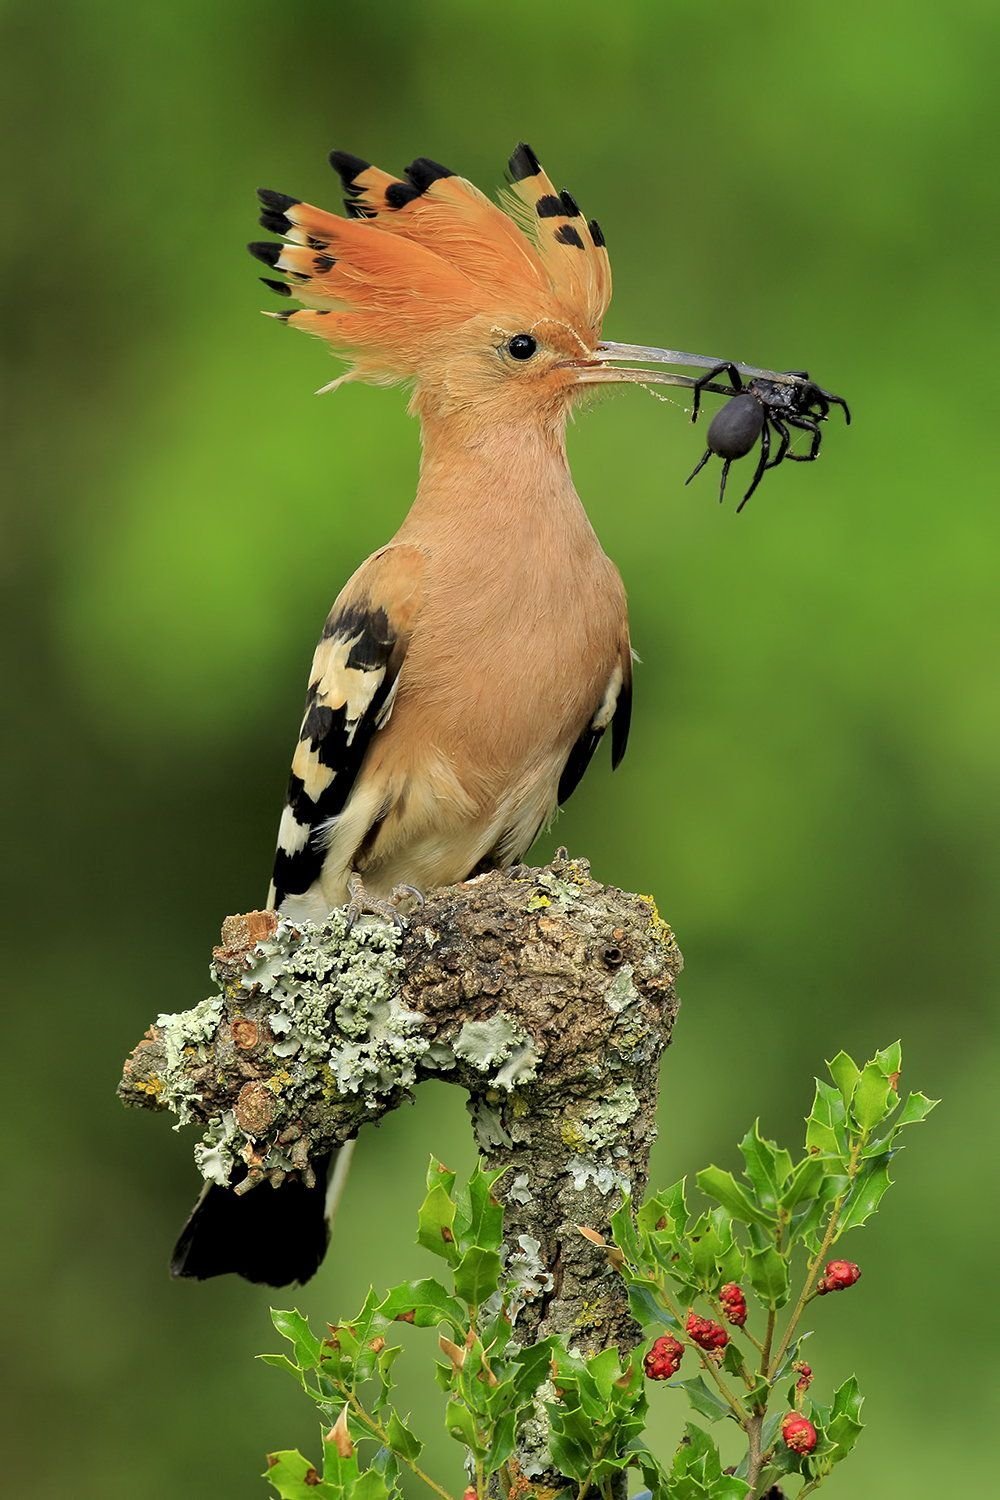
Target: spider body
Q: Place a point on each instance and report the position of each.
(755, 411)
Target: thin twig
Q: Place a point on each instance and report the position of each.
(375, 1427)
(818, 1258)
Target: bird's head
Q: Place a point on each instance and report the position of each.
(493, 312)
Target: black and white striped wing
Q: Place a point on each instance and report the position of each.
(352, 684)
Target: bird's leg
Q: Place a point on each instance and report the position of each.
(765, 453)
(703, 380)
(361, 903)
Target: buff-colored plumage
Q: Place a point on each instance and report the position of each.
(468, 668)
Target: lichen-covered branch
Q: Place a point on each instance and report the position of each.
(544, 995)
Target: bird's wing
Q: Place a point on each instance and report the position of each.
(615, 708)
(352, 684)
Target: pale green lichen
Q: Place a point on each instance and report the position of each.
(439, 1055)
(599, 1123)
(621, 992)
(604, 1177)
(182, 1034)
(520, 1067)
(533, 1453)
(520, 1190)
(595, 1133)
(214, 1154)
(487, 1126)
(317, 972)
(484, 1044)
(564, 893)
(531, 1277)
(338, 1024)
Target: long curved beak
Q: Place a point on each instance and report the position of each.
(603, 367)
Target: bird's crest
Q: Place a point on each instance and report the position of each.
(417, 257)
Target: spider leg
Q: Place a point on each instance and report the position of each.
(833, 400)
(725, 476)
(785, 438)
(709, 375)
(699, 465)
(806, 424)
(762, 465)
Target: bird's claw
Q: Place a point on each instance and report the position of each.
(405, 892)
(361, 903)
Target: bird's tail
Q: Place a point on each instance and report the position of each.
(269, 1235)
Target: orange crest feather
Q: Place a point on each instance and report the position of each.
(418, 257)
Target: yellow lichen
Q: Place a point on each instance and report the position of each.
(593, 1314)
(152, 1086)
(329, 1085)
(535, 903)
(279, 1081)
(661, 930)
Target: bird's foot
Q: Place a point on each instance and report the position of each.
(361, 903)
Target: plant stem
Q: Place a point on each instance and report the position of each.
(753, 1340)
(754, 1457)
(818, 1258)
(377, 1430)
(707, 1363)
(765, 1348)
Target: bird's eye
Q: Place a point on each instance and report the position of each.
(521, 346)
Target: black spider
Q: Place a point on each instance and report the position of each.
(756, 410)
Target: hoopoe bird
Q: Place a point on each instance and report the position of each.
(469, 669)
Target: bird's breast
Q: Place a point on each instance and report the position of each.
(509, 659)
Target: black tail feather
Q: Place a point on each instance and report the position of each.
(272, 1236)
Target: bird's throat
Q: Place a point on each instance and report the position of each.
(497, 478)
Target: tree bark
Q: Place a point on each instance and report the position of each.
(546, 996)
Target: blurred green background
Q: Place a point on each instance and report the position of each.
(814, 755)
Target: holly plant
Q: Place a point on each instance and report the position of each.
(720, 1290)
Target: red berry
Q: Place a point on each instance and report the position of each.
(734, 1304)
(664, 1358)
(804, 1373)
(706, 1334)
(839, 1275)
(798, 1432)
